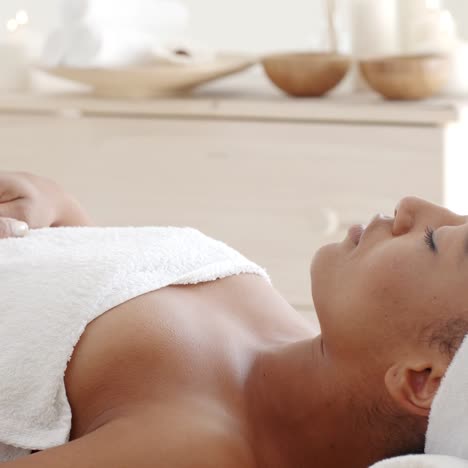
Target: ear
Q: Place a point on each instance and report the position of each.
(413, 386)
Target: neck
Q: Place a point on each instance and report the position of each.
(302, 412)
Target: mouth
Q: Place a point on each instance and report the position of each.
(355, 233)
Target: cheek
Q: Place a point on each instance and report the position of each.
(376, 306)
(390, 284)
(357, 293)
(384, 276)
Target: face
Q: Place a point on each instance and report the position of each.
(377, 290)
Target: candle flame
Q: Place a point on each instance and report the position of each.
(22, 17)
(12, 25)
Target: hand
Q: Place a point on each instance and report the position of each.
(28, 200)
(12, 228)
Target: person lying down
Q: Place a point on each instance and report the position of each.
(145, 347)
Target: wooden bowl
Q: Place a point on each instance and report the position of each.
(306, 74)
(407, 77)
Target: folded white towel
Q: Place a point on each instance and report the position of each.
(162, 18)
(447, 432)
(56, 281)
(422, 461)
(9, 453)
(88, 45)
(117, 34)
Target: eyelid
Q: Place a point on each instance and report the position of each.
(429, 238)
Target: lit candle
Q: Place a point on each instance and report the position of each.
(375, 28)
(14, 55)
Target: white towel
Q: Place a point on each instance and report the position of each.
(161, 18)
(113, 34)
(9, 453)
(447, 432)
(87, 45)
(56, 281)
(422, 461)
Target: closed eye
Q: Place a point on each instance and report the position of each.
(429, 238)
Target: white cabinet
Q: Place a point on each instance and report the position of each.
(276, 186)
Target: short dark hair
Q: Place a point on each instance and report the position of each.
(398, 433)
(447, 335)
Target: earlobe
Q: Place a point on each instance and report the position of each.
(413, 387)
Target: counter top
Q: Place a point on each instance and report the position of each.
(239, 99)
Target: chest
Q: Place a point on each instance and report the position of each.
(199, 326)
(178, 342)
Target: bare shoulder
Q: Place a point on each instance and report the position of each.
(185, 434)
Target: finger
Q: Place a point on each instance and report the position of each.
(12, 228)
(16, 209)
(13, 186)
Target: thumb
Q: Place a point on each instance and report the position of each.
(10, 227)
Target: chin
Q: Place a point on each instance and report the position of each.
(321, 271)
(325, 254)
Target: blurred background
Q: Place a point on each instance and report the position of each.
(242, 25)
(271, 125)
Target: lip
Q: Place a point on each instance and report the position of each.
(358, 231)
(355, 233)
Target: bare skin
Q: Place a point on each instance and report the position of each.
(166, 375)
(228, 374)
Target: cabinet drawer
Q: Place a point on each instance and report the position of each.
(275, 191)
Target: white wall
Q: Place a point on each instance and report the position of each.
(255, 25)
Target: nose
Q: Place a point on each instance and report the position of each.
(415, 213)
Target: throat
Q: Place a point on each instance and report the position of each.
(301, 412)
